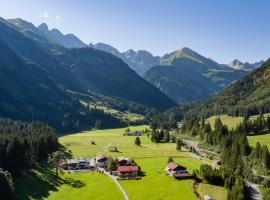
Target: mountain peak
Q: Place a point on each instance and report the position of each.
(236, 62)
(43, 27)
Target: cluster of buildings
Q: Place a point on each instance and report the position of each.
(133, 133)
(177, 171)
(125, 167)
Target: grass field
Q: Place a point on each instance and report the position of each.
(215, 191)
(263, 139)
(97, 186)
(151, 157)
(155, 185)
(230, 121)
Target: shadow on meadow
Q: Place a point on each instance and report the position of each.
(38, 183)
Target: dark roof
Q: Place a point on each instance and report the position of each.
(173, 166)
(128, 168)
(182, 175)
(101, 157)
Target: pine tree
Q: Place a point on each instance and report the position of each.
(170, 159)
(137, 141)
(178, 144)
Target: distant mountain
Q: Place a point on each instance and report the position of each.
(236, 64)
(85, 69)
(140, 61)
(68, 40)
(248, 96)
(187, 76)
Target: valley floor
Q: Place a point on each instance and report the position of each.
(151, 157)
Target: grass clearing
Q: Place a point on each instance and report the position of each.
(230, 121)
(217, 192)
(262, 139)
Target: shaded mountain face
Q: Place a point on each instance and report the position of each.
(28, 93)
(86, 69)
(187, 76)
(248, 96)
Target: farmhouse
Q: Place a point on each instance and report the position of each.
(133, 133)
(177, 171)
(101, 161)
(77, 164)
(128, 171)
(124, 161)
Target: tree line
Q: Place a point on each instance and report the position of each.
(237, 157)
(21, 146)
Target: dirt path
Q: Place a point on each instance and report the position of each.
(114, 178)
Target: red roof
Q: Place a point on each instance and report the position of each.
(173, 166)
(128, 168)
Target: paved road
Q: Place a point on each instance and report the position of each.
(114, 178)
(254, 190)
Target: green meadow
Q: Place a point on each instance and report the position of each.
(232, 122)
(262, 139)
(215, 191)
(150, 156)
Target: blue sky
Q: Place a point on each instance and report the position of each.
(219, 29)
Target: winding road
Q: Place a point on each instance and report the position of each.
(253, 188)
(114, 178)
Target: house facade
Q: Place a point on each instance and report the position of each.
(101, 161)
(78, 164)
(128, 171)
(177, 171)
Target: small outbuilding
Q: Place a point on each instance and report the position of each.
(208, 197)
(113, 149)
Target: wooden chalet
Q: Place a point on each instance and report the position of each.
(177, 171)
(128, 171)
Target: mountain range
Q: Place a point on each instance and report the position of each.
(51, 73)
(183, 75)
(100, 69)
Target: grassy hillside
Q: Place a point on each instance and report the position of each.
(230, 121)
(246, 97)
